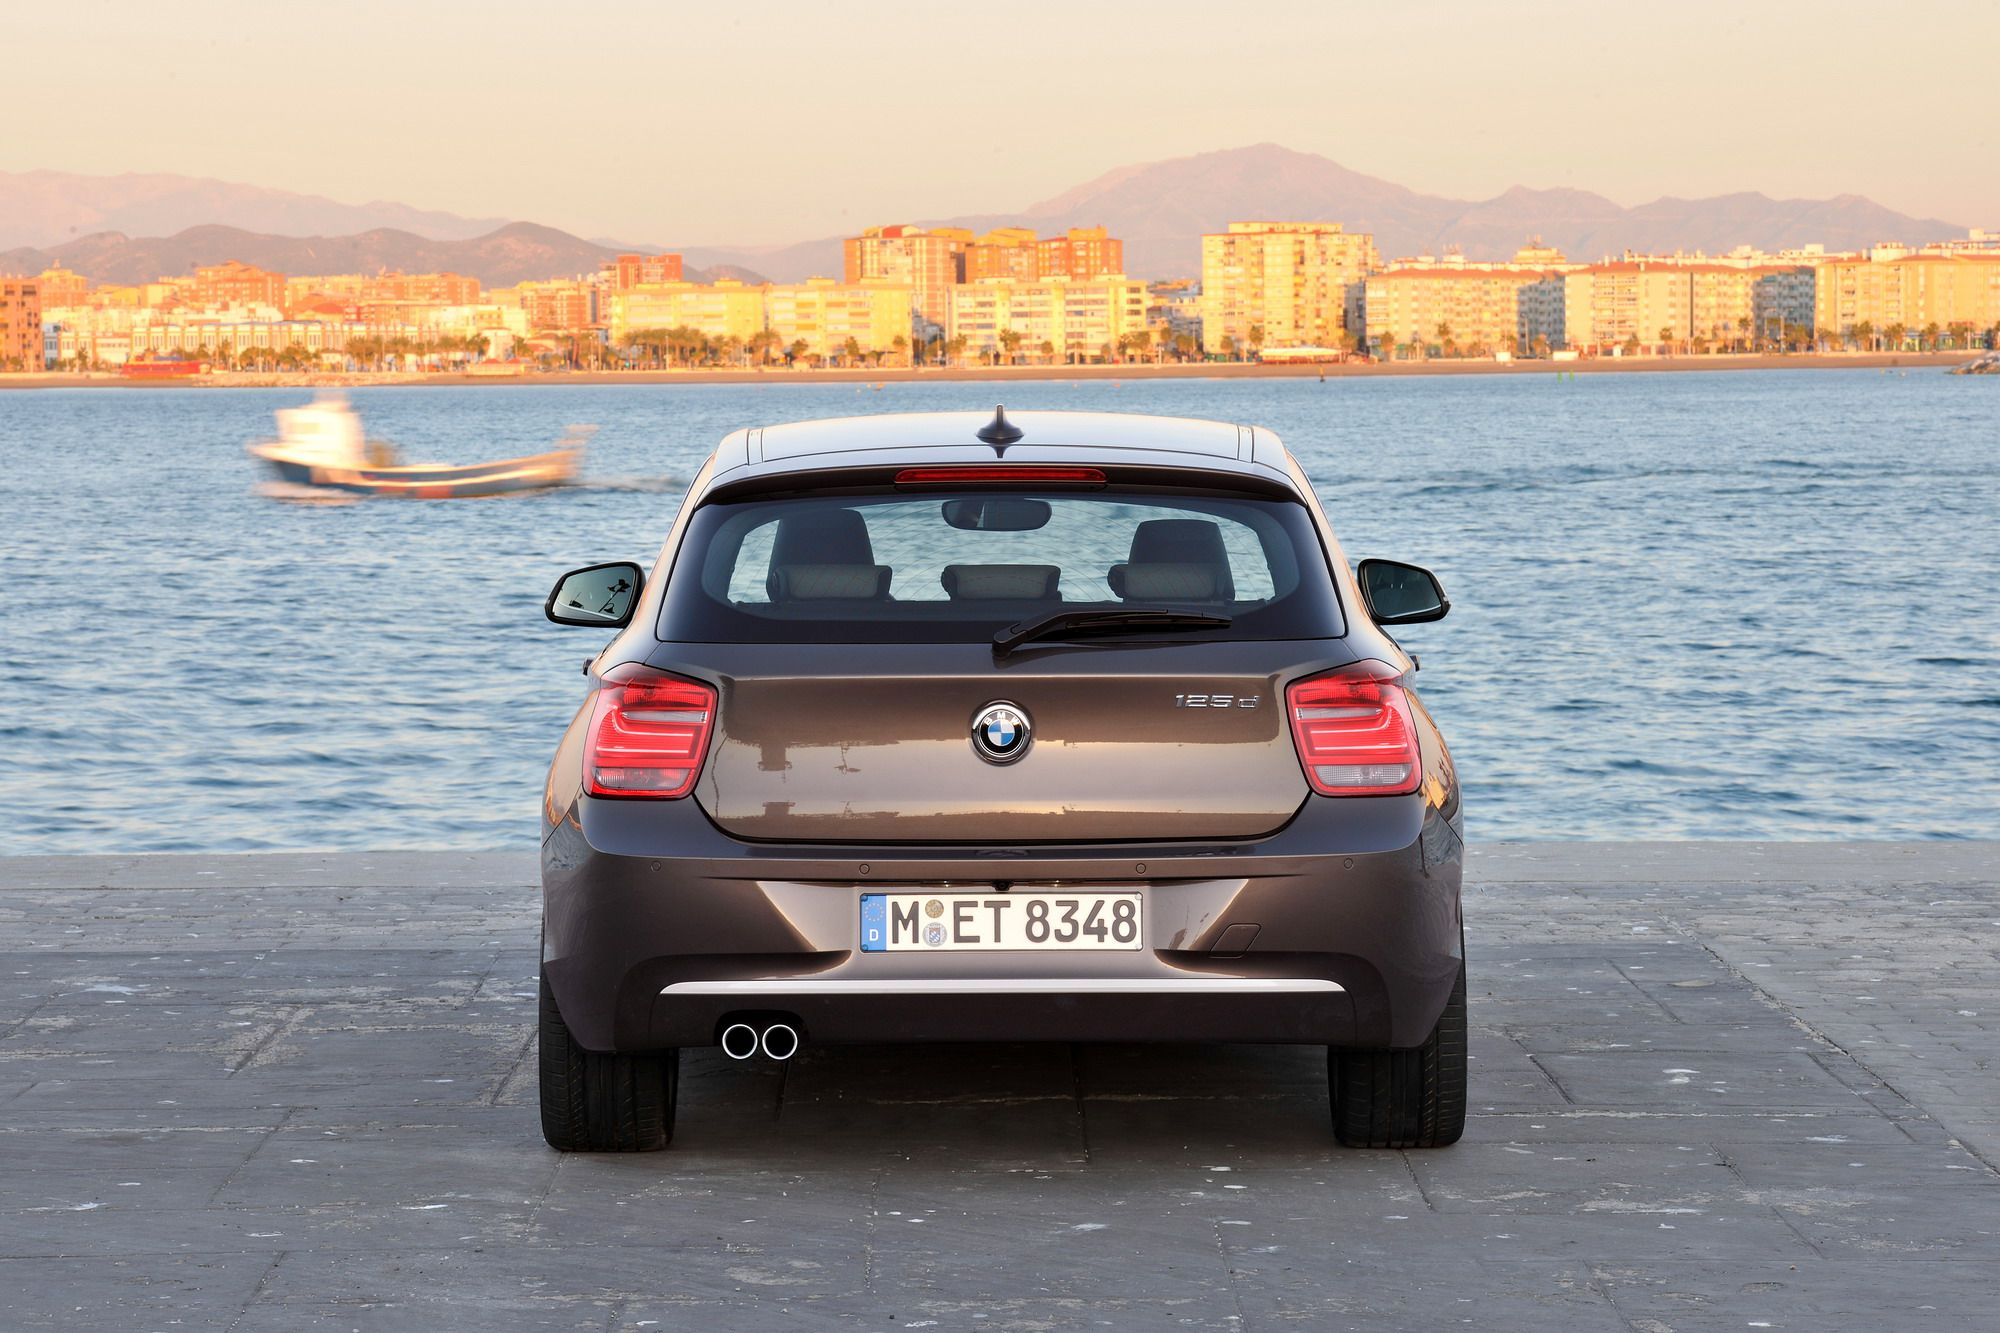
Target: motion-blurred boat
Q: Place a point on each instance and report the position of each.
(322, 446)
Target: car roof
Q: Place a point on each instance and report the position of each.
(1045, 437)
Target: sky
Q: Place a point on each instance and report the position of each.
(776, 121)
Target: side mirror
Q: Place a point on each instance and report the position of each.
(1400, 594)
(599, 595)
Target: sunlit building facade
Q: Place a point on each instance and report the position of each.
(1052, 320)
(1948, 288)
(720, 310)
(928, 260)
(20, 324)
(1472, 307)
(826, 316)
(1279, 284)
(234, 283)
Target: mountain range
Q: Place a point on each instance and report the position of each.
(99, 225)
(511, 253)
(1161, 209)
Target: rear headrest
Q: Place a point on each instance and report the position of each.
(1176, 550)
(829, 583)
(824, 537)
(993, 583)
(1167, 583)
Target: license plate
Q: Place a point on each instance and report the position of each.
(946, 922)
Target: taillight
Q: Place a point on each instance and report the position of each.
(647, 734)
(1005, 475)
(1354, 731)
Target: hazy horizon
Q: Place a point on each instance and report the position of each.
(798, 122)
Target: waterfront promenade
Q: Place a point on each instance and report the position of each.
(1127, 370)
(1715, 1086)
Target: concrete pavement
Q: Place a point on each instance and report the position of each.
(1715, 1086)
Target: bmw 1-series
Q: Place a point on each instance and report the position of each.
(959, 727)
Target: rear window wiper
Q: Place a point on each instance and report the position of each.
(1135, 618)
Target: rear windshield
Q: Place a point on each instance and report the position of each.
(952, 567)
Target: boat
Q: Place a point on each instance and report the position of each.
(147, 366)
(321, 446)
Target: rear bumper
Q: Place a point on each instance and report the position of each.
(659, 927)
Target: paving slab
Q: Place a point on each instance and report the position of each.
(1713, 1086)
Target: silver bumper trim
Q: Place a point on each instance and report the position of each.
(1012, 986)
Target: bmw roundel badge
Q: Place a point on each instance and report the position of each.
(1000, 732)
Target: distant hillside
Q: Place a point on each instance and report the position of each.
(49, 208)
(516, 252)
(1161, 209)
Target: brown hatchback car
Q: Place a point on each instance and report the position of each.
(956, 727)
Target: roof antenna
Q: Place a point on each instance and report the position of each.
(1000, 432)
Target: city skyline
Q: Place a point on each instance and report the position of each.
(770, 143)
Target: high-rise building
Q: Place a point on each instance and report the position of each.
(234, 283)
(421, 288)
(1055, 320)
(929, 260)
(557, 306)
(1951, 288)
(1004, 252)
(722, 310)
(628, 271)
(826, 315)
(62, 289)
(20, 324)
(1282, 284)
(1081, 252)
(1651, 302)
(1471, 306)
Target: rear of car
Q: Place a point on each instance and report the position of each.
(918, 734)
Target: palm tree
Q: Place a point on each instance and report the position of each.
(1667, 341)
(1892, 337)
(900, 346)
(1865, 331)
(1386, 345)
(1445, 345)
(1929, 341)
(1541, 344)
(1010, 343)
(1256, 337)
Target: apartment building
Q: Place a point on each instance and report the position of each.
(1282, 284)
(1056, 320)
(62, 288)
(1662, 303)
(929, 260)
(826, 315)
(1957, 287)
(629, 271)
(1475, 307)
(1079, 253)
(421, 289)
(725, 309)
(233, 283)
(1005, 252)
(20, 324)
(553, 307)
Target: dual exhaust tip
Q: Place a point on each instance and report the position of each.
(778, 1041)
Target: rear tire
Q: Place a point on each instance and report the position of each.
(603, 1103)
(1404, 1099)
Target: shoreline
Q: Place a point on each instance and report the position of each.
(968, 374)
